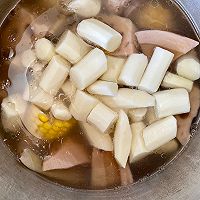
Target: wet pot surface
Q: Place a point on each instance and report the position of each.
(177, 181)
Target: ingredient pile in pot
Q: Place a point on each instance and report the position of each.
(94, 98)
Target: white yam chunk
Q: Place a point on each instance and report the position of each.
(60, 111)
(175, 81)
(114, 68)
(9, 116)
(137, 115)
(28, 58)
(42, 99)
(72, 47)
(44, 49)
(100, 34)
(138, 149)
(151, 115)
(102, 117)
(129, 98)
(160, 133)
(96, 138)
(81, 105)
(28, 114)
(104, 88)
(54, 75)
(31, 160)
(18, 101)
(188, 66)
(133, 70)
(30, 120)
(172, 102)
(122, 139)
(156, 70)
(89, 69)
(69, 89)
(85, 8)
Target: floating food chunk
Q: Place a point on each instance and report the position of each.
(68, 154)
(177, 44)
(100, 34)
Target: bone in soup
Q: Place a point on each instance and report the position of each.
(97, 94)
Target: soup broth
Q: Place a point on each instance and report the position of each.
(50, 20)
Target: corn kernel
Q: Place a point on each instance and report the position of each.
(58, 123)
(43, 130)
(43, 118)
(52, 133)
(55, 128)
(40, 125)
(47, 125)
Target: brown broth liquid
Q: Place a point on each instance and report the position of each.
(145, 14)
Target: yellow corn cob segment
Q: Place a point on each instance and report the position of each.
(53, 129)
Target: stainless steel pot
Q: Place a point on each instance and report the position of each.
(179, 181)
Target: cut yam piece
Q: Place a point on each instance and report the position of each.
(137, 115)
(30, 120)
(96, 138)
(19, 102)
(72, 47)
(60, 111)
(42, 99)
(105, 172)
(31, 160)
(172, 102)
(69, 89)
(188, 66)
(69, 153)
(89, 69)
(81, 106)
(122, 139)
(185, 121)
(114, 68)
(10, 117)
(129, 98)
(104, 88)
(151, 116)
(138, 148)
(28, 114)
(100, 34)
(133, 70)
(177, 44)
(54, 75)
(175, 81)
(160, 133)
(102, 117)
(126, 175)
(126, 27)
(27, 123)
(156, 70)
(28, 58)
(85, 8)
(44, 49)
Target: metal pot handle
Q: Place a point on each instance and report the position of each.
(191, 8)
